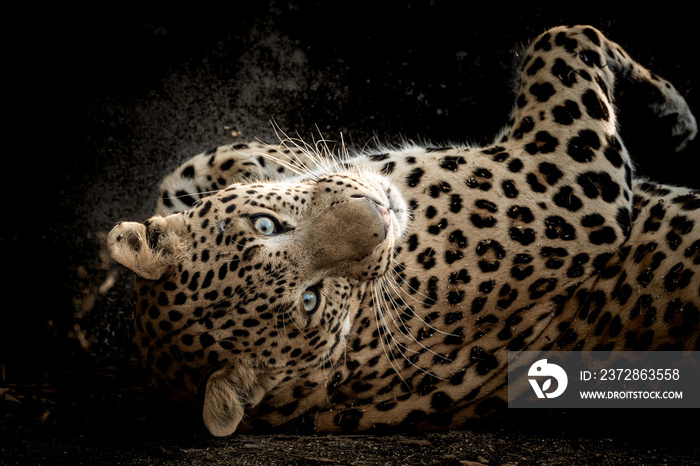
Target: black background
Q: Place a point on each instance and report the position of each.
(101, 104)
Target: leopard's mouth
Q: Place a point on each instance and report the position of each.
(383, 212)
(390, 205)
(397, 209)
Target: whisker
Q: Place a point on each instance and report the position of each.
(412, 337)
(389, 356)
(291, 161)
(398, 290)
(302, 146)
(396, 343)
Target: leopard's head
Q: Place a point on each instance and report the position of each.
(256, 283)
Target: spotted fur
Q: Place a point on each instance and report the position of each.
(384, 289)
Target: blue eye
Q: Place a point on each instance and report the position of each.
(310, 300)
(265, 225)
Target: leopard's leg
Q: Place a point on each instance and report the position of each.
(566, 118)
(575, 55)
(565, 126)
(215, 169)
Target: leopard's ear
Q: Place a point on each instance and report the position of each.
(151, 249)
(228, 393)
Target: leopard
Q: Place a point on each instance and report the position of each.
(296, 284)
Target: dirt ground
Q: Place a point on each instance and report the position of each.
(104, 102)
(101, 416)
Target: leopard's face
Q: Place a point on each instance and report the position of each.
(259, 281)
